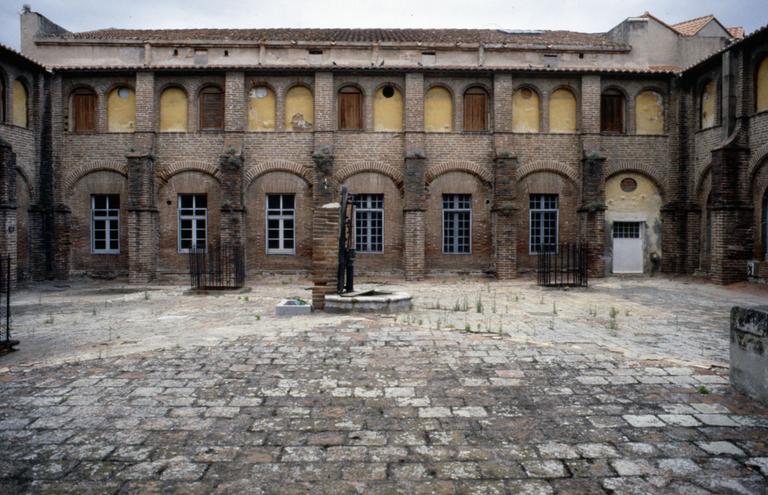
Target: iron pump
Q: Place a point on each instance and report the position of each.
(346, 270)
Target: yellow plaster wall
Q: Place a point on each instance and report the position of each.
(762, 86)
(173, 110)
(525, 111)
(438, 110)
(121, 112)
(708, 106)
(643, 203)
(19, 104)
(562, 112)
(387, 112)
(649, 113)
(299, 109)
(262, 108)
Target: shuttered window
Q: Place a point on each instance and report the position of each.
(612, 112)
(211, 109)
(475, 110)
(350, 108)
(84, 111)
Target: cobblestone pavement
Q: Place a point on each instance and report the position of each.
(373, 406)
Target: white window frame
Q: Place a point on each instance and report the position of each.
(369, 211)
(540, 209)
(281, 216)
(197, 215)
(454, 211)
(107, 215)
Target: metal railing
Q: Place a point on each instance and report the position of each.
(217, 267)
(566, 266)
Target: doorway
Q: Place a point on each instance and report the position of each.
(628, 247)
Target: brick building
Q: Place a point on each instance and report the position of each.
(469, 150)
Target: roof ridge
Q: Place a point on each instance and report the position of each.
(710, 16)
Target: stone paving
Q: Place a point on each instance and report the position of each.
(379, 405)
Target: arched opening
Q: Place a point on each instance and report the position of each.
(649, 113)
(438, 110)
(20, 104)
(262, 109)
(475, 109)
(562, 112)
(708, 105)
(764, 225)
(761, 86)
(121, 110)
(350, 108)
(388, 109)
(83, 110)
(612, 112)
(211, 109)
(299, 109)
(174, 106)
(526, 116)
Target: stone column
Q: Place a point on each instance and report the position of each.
(504, 215)
(232, 210)
(414, 233)
(142, 218)
(8, 208)
(592, 211)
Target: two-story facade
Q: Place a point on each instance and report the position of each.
(468, 151)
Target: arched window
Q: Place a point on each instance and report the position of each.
(262, 109)
(649, 113)
(612, 111)
(20, 97)
(83, 110)
(761, 86)
(299, 109)
(562, 112)
(388, 109)
(211, 109)
(350, 108)
(525, 111)
(438, 110)
(174, 106)
(475, 109)
(708, 105)
(121, 110)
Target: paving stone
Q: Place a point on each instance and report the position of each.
(721, 448)
(679, 420)
(716, 420)
(545, 469)
(633, 467)
(643, 420)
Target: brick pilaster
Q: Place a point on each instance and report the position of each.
(232, 211)
(325, 252)
(414, 228)
(504, 214)
(142, 218)
(592, 211)
(8, 208)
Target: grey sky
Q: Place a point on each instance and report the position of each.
(574, 15)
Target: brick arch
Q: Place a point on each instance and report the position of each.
(173, 168)
(759, 158)
(262, 168)
(615, 167)
(702, 177)
(547, 166)
(25, 178)
(81, 171)
(435, 171)
(371, 166)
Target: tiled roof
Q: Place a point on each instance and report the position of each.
(692, 26)
(7, 50)
(737, 32)
(424, 36)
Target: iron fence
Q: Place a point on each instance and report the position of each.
(217, 267)
(565, 266)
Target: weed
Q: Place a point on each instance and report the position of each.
(479, 304)
(541, 300)
(552, 324)
(258, 317)
(613, 325)
(467, 327)
(554, 308)
(93, 312)
(627, 313)
(49, 320)
(146, 296)
(702, 390)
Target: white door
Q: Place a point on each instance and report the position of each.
(627, 247)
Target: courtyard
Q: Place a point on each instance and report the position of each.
(485, 387)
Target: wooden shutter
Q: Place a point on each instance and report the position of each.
(612, 113)
(475, 110)
(84, 110)
(211, 109)
(350, 108)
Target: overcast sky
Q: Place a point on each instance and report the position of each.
(574, 15)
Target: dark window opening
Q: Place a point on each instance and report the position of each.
(628, 185)
(544, 211)
(388, 91)
(612, 112)
(457, 223)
